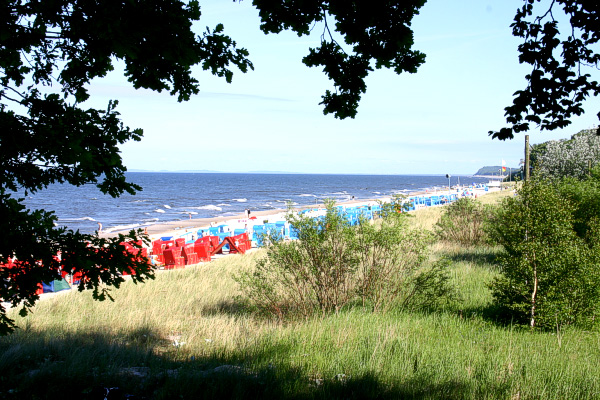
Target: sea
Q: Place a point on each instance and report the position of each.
(175, 196)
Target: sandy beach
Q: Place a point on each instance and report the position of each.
(181, 227)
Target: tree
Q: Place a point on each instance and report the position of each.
(559, 81)
(375, 34)
(550, 274)
(49, 52)
(557, 159)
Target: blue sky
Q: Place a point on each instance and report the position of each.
(432, 122)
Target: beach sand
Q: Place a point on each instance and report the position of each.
(181, 227)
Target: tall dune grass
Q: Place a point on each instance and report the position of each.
(186, 335)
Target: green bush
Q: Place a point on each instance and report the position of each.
(550, 276)
(585, 197)
(463, 223)
(334, 264)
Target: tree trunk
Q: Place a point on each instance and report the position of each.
(533, 296)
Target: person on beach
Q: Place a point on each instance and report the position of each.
(99, 227)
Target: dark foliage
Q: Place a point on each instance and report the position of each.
(376, 34)
(49, 52)
(560, 78)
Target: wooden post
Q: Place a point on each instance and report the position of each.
(526, 158)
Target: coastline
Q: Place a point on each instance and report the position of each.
(180, 228)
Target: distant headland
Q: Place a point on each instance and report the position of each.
(495, 171)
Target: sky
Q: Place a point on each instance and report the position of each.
(433, 122)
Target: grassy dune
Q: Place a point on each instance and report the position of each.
(184, 335)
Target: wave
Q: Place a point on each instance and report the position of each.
(223, 205)
(240, 200)
(167, 206)
(209, 207)
(158, 210)
(188, 212)
(340, 193)
(77, 219)
(376, 192)
(307, 195)
(121, 227)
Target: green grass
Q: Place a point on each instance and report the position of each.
(71, 346)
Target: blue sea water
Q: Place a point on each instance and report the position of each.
(173, 196)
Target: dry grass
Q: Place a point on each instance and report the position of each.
(195, 305)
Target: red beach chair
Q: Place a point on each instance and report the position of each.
(202, 248)
(189, 255)
(241, 243)
(173, 258)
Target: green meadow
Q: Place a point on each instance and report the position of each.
(189, 335)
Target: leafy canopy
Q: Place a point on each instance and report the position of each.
(376, 35)
(562, 56)
(49, 53)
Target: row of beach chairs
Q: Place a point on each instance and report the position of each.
(194, 247)
(177, 253)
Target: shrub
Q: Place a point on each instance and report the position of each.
(550, 275)
(584, 195)
(463, 223)
(333, 264)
